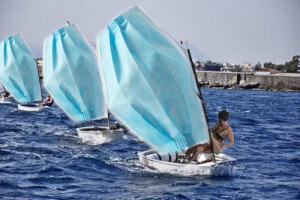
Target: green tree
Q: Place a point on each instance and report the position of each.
(268, 65)
(280, 67)
(291, 66)
(296, 58)
(257, 66)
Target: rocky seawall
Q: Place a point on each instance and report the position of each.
(246, 80)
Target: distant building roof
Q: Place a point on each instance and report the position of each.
(210, 66)
(268, 69)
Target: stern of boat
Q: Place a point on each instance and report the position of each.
(95, 135)
(149, 158)
(30, 107)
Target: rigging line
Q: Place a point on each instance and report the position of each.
(201, 98)
(40, 82)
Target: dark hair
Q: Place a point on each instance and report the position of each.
(223, 115)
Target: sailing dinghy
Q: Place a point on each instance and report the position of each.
(72, 78)
(152, 90)
(8, 99)
(19, 74)
(5, 96)
(203, 166)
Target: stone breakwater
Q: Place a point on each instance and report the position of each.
(246, 80)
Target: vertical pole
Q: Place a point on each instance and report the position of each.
(4, 90)
(108, 121)
(200, 97)
(40, 81)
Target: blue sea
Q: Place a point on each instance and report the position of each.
(42, 158)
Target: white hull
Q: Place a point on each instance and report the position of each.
(98, 134)
(6, 99)
(207, 168)
(29, 107)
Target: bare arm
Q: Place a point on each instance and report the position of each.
(214, 128)
(230, 137)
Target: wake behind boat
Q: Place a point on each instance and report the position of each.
(99, 134)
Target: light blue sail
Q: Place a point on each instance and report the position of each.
(71, 75)
(18, 70)
(149, 83)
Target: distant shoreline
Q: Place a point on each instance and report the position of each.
(247, 80)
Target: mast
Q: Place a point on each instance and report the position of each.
(108, 122)
(40, 81)
(4, 90)
(200, 96)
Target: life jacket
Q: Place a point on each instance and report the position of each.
(221, 136)
(47, 100)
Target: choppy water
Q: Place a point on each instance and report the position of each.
(41, 157)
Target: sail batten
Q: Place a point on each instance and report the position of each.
(158, 100)
(18, 70)
(72, 76)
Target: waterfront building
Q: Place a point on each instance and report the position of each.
(212, 66)
(227, 67)
(298, 65)
(246, 67)
(198, 65)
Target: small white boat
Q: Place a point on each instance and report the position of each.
(19, 74)
(6, 99)
(30, 107)
(99, 134)
(164, 109)
(77, 88)
(204, 167)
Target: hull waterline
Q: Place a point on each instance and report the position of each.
(29, 107)
(206, 168)
(98, 134)
(6, 100)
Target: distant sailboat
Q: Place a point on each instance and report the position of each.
(5, 96)
(152, 90)
(72, 78)
(19, 74)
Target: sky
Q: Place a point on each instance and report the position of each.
(233, 31)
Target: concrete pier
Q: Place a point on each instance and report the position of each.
(247, 80)
(235, 80)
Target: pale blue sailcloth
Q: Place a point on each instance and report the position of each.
(18, 70)
(149, 83)
(71, 75)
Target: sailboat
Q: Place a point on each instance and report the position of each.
(19, 74)
(5, 96)
(151, 88)
(71, 76)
